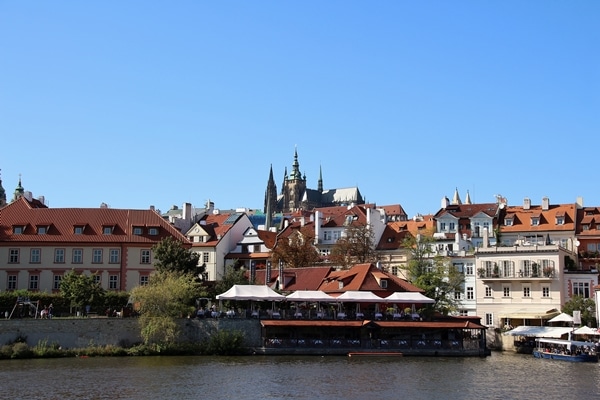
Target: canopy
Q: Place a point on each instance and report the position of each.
(310, 295)
(562, 317)
(359, 296)
(540, 331)
(409, 298)
(250, 292)
(586, 330)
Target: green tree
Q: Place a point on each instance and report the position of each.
(357, 246)
(171, 255)
(587, 307)
(232, 276)
(80, 289)
(168, 296)
(296, 250)
(438, 278)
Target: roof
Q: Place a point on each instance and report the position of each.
(309, 278)
(61, 223)
(451, 324)
(365, 277)
(522, 218)
(468, 210)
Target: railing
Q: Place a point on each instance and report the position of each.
(429, 344)
(546, 273)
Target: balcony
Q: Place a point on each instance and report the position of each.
(542, 274)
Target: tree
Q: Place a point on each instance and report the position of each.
(171, 255)
(434, 274)
(587, 307)
(356, 247)
(80, 289)
(296, 250)
(232, 276)
(168, 296)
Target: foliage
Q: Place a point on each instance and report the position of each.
(168, 296)
(171, 255)
(434, 274)
(297, 250)
(356, 247)
(225, 343)
(80, 289)
(587, 307)
(232, 276)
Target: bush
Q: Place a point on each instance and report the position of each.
(21, 350)
(226, 343)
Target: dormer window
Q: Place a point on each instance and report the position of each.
(383, 283)
(78, 229)
(535, 221)
(340, 284)
(107, 230)
(560, 220)
(137, 230)
(508, 221)
(153, 231)
(585, 227)
(18, 229)
(42, 229)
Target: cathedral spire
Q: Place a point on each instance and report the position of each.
(456, 198)
(320, 183)
(296, 167)
(19, 191)
(270, 199)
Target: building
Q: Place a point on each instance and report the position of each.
(295, 194)
(39, 245)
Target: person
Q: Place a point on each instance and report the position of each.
(44, 313)
(50, 311)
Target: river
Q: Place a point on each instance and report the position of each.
(500, 376)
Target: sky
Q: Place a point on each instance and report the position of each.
(142, 103)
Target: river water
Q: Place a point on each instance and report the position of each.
(501, 376)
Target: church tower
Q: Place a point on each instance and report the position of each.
(270, 199)
(19, 191)
(294, 187)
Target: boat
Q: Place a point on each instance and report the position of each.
(566, 350)
(375, 354)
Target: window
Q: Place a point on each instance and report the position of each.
(581, 289)
(506, 291)
(457, 295)
(394, 270)
(591, 247)
(137, 230)
(442, 226)
(113, 282)
(585, 227)
(13, 256)
(78, 230)
(59, 256)
(383, 283)
(489, 319)
(107, 230)
(508, 221)
(153, 231)
(145, 256)
(326, 235)
(256, 248)
(526, 291)
(42, 230)
(97, 279)
(12, 282)
(505, 266)
(77, 256)
(463, 313)
(97, 256)
(469, 269)
(57, 280)
(488, 291)
(470, 293)
(114, 256)
(337, 235)
(18, 229)
(34, 282)
(144, 280)
(340, 284)
(35, 256)
(535, 221)
(452, 226)
(205, 257)
(560, 220)
(545, 291)
(325, 252)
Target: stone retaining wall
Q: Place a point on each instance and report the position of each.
(85, 332)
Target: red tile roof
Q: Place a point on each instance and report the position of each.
(62, 223)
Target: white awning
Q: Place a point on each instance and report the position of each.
(409, 298)
(310, 295)
(540, 331)
(250, 292)
(359, 296)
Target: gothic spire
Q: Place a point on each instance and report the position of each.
(320, 183)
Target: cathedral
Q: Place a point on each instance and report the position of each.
(296, 196)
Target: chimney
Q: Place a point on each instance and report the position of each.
(187, 212)
(579, 202)
(526, 203)
(445, 202)
(545, 203)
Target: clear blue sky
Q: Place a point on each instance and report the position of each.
(139, 103)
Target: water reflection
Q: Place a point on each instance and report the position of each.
(501, 376)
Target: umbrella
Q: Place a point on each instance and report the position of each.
(586, 330)
(562, 317)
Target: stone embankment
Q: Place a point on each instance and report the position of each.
(124, 332)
